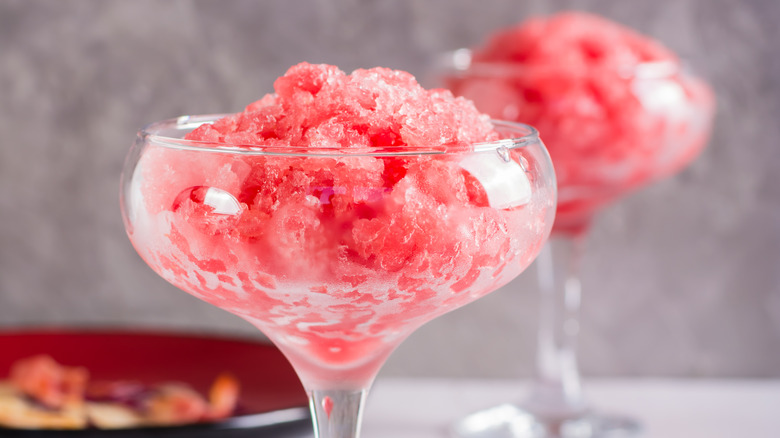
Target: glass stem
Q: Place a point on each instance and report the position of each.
(556, 391)
(337, 413)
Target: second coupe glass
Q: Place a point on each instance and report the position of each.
(653, 119)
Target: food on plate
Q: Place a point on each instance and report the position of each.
(43, 394)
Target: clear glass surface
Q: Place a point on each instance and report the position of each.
(609, 133)
(336, 255)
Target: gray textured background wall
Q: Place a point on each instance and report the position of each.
(681, 279)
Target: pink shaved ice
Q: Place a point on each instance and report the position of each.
(319, 106)
(337, 257)
(615, 108)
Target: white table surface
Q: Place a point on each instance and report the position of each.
(417, 408)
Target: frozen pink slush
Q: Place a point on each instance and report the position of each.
(335, 251)
(616, 109)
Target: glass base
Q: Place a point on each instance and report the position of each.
(512, 421)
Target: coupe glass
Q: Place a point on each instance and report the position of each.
(336, 255)
(600, 154)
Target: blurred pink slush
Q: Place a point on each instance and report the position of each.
(616, 109)
(338, 257)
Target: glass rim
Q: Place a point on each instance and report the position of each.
(151, 133)
(460, 62)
